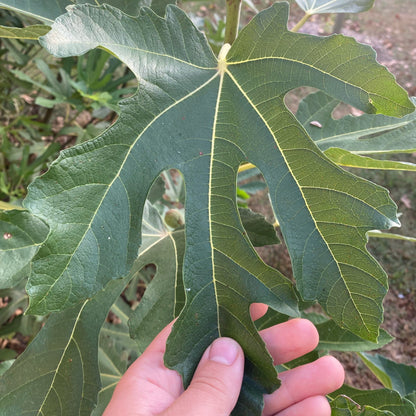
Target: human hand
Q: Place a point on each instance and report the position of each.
(148, 388)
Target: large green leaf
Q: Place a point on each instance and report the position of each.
(21, 235)
(205, 117)
(370, 402)
(393, 375)
(335, 6)
(58, 373)
(367, 134)
(164, 296)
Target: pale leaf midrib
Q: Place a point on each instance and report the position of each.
(71, 337)
(210, 195)
(300, 190)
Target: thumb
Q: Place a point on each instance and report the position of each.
(216, 385)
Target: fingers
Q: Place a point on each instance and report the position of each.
(147, 384)
(216, 385)
(290, 340)
(314, 379)
(312, 406)
(257, 310)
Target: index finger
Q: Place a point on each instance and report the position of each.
(290, 340)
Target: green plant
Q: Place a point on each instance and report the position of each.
(206, 116)
(100, 81)
(71, 86)
(23, 153)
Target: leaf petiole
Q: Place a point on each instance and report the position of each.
(301, 22)
(232, 20)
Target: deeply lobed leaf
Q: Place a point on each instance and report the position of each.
(205, 117)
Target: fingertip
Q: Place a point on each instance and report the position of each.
(224, 351)
(307, 330)
(216, 384)
(311, 406)
(291, 339)
(336, 374)
(257, 310)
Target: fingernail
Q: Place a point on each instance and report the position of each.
(224, 351)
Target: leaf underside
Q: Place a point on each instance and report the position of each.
(335, 6)
(205, 118)
(349, 140)
(21, 235)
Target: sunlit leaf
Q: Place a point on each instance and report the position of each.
(335, 6)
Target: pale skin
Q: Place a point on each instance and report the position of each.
(148, 388)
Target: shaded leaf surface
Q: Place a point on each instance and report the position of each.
(21, 235)
(335, 6)
(163, 299)
(58, 373)
(343, 406)
(259, 231)
(201, 116)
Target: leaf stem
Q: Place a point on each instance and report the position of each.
(301, 22)
(232, 20)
